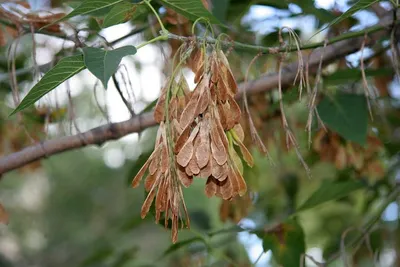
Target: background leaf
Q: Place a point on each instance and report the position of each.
(120, 13)
(346, 75)
(330, 190)
(102, 63)
(192, 9)
(286, 241)
(220, 9)
(65, 69)
(347, 115)
(362, 4)
(90, 6)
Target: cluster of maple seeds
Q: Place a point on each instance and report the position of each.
(198, 136)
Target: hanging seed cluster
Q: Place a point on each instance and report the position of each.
(199, 136)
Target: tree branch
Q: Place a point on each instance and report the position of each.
(114, 131)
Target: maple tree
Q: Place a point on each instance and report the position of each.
(254, 119)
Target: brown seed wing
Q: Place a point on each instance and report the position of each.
(246, 154)
(241, 182)
(204, 101)
(239, 131)
(218, 153)
(164, 162)
(211, 187)
(226, 189)
(193, 166)
(180, 142)
(206, 171)
(189, 113)
(185, 154)
(159, 108)
(203, 154)
(142, 171)
(225, 69)
(151, 179)
(184, 178)
(235, 110)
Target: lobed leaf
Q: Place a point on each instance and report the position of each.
(102, 63)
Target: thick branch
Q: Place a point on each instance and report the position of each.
(114, 131)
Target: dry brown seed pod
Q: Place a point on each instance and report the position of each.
(226, 189)
(160, 105)
(183, 137)
(239, 131)
(218, 153)
(142, 171)
(186, 153)
(240, 180)
(189, 113)
(226, 71)
(164, 162)
(223, 91)
(236, 161)
(204, 101)
(184, 178)
(150, 180)
(235, 110)
(147, 202)
(193, 166)
(206, 171)
(245, 153)
(211, 187)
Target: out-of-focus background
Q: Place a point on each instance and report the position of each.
(78, 208)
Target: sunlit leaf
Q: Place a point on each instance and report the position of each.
(121, 12)
(330, 190)
(65, 69)
(286, 242)
(346, 114)
(90, 6)
(192, 9)
(104, 63)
